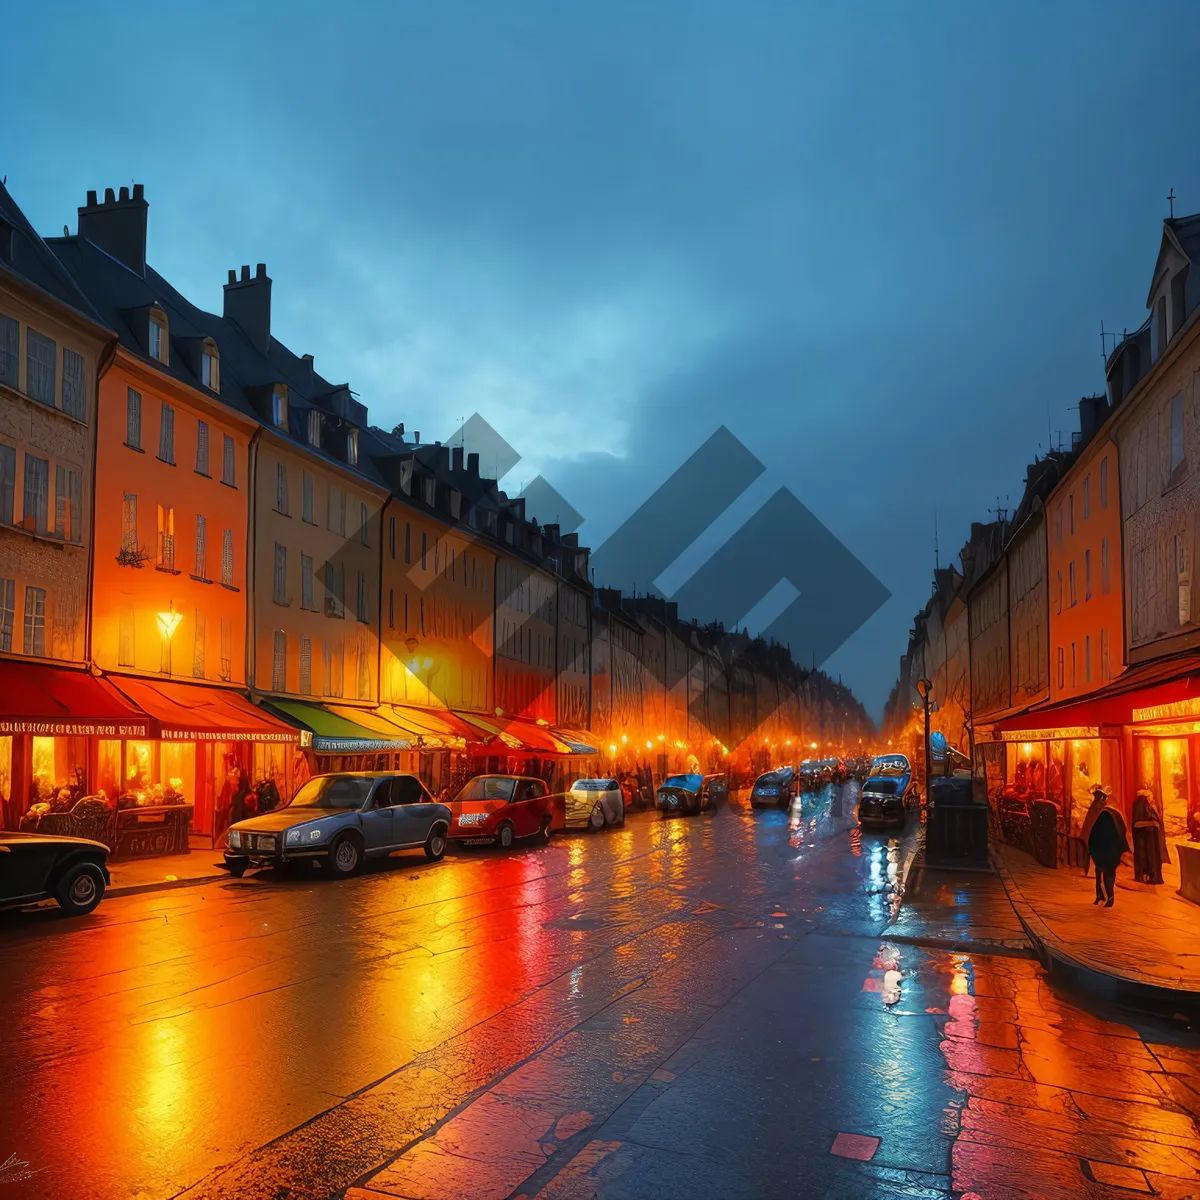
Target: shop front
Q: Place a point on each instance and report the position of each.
(341, 737)
(517, 746)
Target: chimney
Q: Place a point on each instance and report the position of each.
(118, 227)
(473, 464)
(457, 457)
(307, 360)
(1093, 410)
(248, 305)
(417, 437)
(443, 457)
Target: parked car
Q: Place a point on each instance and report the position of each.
(889, 793)
(688, 795)
(46, 866)
(777, 787)
(594, 803)
(499, 809)
(340, 820)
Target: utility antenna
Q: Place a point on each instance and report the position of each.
(936, 560)
(1171, 201)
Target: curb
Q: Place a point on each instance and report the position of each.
(136, 889)
(1074, 974)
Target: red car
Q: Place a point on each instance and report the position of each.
(495, 810)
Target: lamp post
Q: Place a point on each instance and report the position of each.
(924, 687)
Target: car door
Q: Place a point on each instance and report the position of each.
(377, 819)
(413, 811)
(526, 815)
(614, 803)
(25, 866)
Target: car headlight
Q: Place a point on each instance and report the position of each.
(235, 840)
(293, 837)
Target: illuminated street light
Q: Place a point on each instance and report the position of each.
(168, 622)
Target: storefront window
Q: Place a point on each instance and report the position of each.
(108, 770)
(1056, 773)
(1174, 782)
(7, 816)
(1086, 773)
(157, 774)
(1026, 775)
(270, 775)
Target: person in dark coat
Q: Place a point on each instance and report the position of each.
(1104, 834)
(1149, 840)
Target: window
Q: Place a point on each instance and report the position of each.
(1058, 525)
(1087, 659)
(314, 428)
(227, 558)
(279, 662)
(281, 489)
(74, 398)
(361, 599)
(198, 647)
(1104, 483)
(60, 503)
(1071, 583)
(228, 469)
(201, 447)
(8, 482)
(10, 352)
(75, 505)
(201, 548)
(166, 435)
(407, 542)
(226, 652)
(337, 511)
(1071, 514)
(1061, 673)
(166, 539)
(391, 608)
(1105, 665)
(307, 501)
(125, 642)
(37, 494)
(133, 419)
(1105, 577)
(279, 593)
(158, 336)
(279, 407)
(1073, 664)
(1087, 575)
(334, 596)
(352, 447)
(306, 666)
(35, 621)
(1087, 496)
(306, 582)
(424, 551)
(8, 590)
(210, 369)
(1177, 455)
(392, 536)
(40, 353)
(364, 532)
(405, 612)
(129, 535)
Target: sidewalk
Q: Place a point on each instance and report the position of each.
(170, 871)
(1143, 952)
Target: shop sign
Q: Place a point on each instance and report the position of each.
(1074, 732)
(1167, 712)
(102, 729)
(335, 745)
(225, 735)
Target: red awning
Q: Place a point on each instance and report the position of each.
(1149, 686)
(516, 734)
(189, 712)
(64, 702)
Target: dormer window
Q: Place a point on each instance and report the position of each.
(158, 336)
(314, 428)
(352, 447)
(210, 366)
(279, 406)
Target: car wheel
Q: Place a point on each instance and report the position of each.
(596, 819)
(344, 857)
(237, 872)
(504, 836)
(80, 889)
(544, 831)
(435, 844)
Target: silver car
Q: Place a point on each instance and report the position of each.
(594, 803)
(340, 820)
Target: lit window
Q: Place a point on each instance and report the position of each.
(166, 539)
(352, 447)
(279, 407)
(35, 621)
(158, 336)
(314, 428)
(210, 368)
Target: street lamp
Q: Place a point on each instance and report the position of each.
(924, 687)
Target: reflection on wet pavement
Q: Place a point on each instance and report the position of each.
(637, 1013)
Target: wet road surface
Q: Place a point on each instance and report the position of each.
(731, 1005)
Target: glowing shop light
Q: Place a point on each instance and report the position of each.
(168, 622)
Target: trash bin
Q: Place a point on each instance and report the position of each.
(956, 832)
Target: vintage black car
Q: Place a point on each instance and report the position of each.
(41, 866)
(775, 788)
(889, 794)
(687, 795)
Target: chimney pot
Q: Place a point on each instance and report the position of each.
(248, 304)
(245, 273)
(473, 464)
(458, 458)
(124, 193)
(417, 437)
(110, 197)
(91, 199)
(232, 275)
(118, 229)
(139, 191)
(260, 271)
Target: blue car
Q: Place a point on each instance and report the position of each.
(889, 793)
(774, 788)
(339, 821)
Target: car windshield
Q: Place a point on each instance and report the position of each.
(690, 782)
(334, 791)
(890, 764)
(770, 777)
(489, 787)
(593, 785)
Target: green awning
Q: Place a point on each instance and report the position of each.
(337, 733)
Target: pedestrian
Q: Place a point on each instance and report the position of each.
(1104, 835)
(1149, 840)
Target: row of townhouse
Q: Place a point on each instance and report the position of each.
(1064, 649)
(216, 577)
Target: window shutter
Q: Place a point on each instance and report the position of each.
(39, 367)
(8, 589)
(227, 558)
(166, 434)
(10, 352)
(8, 482)
(202, 447)
(201, 547)
(75, 501)
(133, 419)
(60, 503)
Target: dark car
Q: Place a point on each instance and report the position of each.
(339, 820)
(775, 788)
(687, 795)
(43, 866)
(889, 793)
